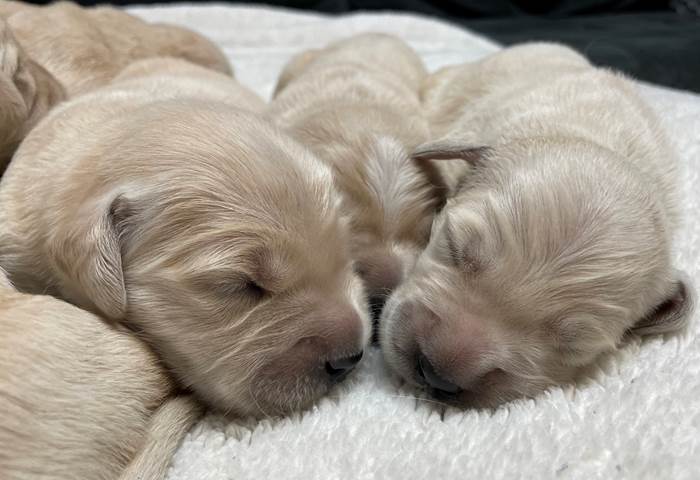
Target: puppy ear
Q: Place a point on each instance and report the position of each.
(27, 92)
(17, 88)
(450, 149)
(87, 254)
(294, 68)
(671, 315)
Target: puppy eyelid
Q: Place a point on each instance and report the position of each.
(452, 249)
(236, 284)
(254, 288)
(461, 258)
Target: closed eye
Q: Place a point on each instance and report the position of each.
(460, 257)
(232, 285)
(254, 289)
(452, 249)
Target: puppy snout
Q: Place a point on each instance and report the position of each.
(339, 368)
(455, 356)
(439, 386)
(382, 272)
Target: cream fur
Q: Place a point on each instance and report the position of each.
(51, 52)
(195, 223)
(355, 103)
(80, 398)
(554, 247)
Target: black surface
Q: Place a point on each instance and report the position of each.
(659, 47)
(644, 38)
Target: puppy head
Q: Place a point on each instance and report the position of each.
(228, 256)
(391, 200)
(179, 42)
(544, 260)
(384, 54)
(388, 198)
(27, 92)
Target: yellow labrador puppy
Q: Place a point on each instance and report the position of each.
(554, 247)
(159, 204)
(356, 104)
(51, 52)
(81, 399)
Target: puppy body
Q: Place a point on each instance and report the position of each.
(84, 48)
(171, 78)
(554, 246)
(195, 223)
(61, 50)
(79, 397)
(355, 103)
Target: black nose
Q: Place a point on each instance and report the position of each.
(438, 385)
(339, 369)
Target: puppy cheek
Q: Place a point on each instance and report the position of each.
(293, 380)
(358, 299)
(397, 337)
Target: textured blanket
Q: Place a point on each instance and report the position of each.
(640, 417)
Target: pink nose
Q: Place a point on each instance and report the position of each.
(342, 331)
(454, 352)
(428, 375)
(381, 271)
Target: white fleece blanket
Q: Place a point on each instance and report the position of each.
(639, 419)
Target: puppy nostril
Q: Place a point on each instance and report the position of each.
(339, 369)
(438, 385)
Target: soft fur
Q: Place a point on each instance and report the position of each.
(555, 247)
(356, 104)
(59, 50)
(195, 223)
(81, 399)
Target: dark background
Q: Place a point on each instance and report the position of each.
(656, 41)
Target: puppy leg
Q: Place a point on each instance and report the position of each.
(79, 398)
(168, 426)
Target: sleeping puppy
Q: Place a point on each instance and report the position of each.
(81, 399)
(209, 232)
(170, 77)
(51, 52)
(355, 103)
(554, 247)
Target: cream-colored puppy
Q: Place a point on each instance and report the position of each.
(27, 92)
(555, 246)
(161, 205)
(48, 53)
(81, 399)
(356, 104)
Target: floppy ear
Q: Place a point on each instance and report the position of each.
(671, 315)
(16, 92)
(27, 92)
(450, 149)
(87, 257)
(294, 68)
